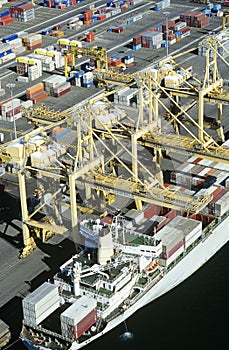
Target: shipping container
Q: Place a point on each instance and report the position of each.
(78, 317)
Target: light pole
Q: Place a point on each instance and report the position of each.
(166, 14)
(11, 87)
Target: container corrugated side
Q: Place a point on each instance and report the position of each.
(77, 311)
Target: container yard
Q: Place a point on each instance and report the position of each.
(108, 109)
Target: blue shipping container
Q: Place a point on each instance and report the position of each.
(9, 38)
(2, 54)
(5, 13)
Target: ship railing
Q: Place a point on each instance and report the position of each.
(94, 292)
(47, 332)
(144, 290)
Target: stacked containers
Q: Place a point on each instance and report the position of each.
(195, 19)
(15, 43)
(5, 18)
(48, 3)
(87, 17)
(10, 110)
(47, 62)
(90, 37)
(32, 41)
(220, 202)
(151, 39)
(172, 243)
(34, 68)
(23, 12)
(56, 85)
(40, 304)
(128, 59)
(87, 79)
(36, 93)
(137, 42)
(192, 229)
(78, 318)
(6, 53)
(78, 76)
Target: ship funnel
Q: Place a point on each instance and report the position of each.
(105, 248)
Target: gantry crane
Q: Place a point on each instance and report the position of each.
(87, 167)
(99, 53)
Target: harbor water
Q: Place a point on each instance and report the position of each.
(194, 315)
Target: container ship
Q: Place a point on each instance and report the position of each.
(125, 260)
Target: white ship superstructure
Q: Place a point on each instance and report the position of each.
(101, 286)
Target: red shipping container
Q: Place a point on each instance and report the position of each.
(6, 21)
(101, 17)
(174, 249)
(90, 37)
(171, 214)
(137, 40)
(5, 17)
(43, 95)
(170, 25)
(86, 322)
(151, 211)
(13, 111)
(63, 92)
(118, 30)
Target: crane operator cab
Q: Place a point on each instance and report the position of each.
(89, 66)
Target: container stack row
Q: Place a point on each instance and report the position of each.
(116, 60)
(40, 304)
(221, 170)
(32, 41)
(56, 85)
(15, 42)
(5, 18)
(10, 110)
(179, 234)
(36, 93)
(193, 176)
(6, 53)
(159, 36)
(196, 19)
(29, 68)
(23, 11)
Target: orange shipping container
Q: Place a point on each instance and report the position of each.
(35, 88)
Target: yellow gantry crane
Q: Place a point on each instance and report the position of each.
(85, 168)
(99, 53)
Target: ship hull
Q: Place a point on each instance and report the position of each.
(180, 272)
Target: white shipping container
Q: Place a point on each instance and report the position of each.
(8, 57)
(62, 87)
(37, 320)
(78, 310)
(41, 294)
(7, 106)
(179, 26)
(15, 117)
